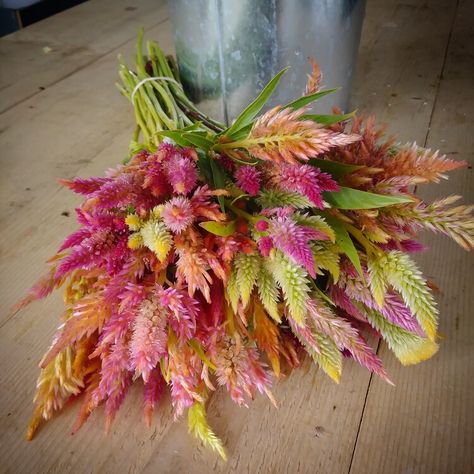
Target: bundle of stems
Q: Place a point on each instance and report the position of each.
(158, 98)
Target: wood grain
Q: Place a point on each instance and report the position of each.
(35, 58)
(426, 424)
(80, 125)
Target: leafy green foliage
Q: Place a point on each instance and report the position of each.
(219, 228)
(308, 99)
(329, 119)
(247, 116)
(349, 198)
(334, 168)
(344, 241)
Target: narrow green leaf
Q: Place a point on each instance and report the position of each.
(334, 168)
(198, 140)
(194, 343)
(204, 166)
(218, 179)
(348, 198)
(218, 228)
(243, 132)
(175, 135)
(247, 116)
(344, 241)
(307, 99)
(328, 119)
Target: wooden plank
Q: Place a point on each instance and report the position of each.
(38, 56)
(97, 123)
(265, 440)
(426, 423)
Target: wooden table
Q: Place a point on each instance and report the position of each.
(61, 116)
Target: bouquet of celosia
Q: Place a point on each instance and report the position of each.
(220, 256)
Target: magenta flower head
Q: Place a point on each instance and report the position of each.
(265, 244)
(261, 225)
(178, 214)
(304, 179)
(181, 173)
(248, 179)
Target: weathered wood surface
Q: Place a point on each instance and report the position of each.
(415, 70)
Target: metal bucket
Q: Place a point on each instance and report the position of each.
(227, 50)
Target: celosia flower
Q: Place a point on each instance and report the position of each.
(183, 311)
(239, 369)
(265, 244)
(303, 179)
(149, 337)
(152, 392)
(248, 179)
(178, 214)
(181, 172)
(293, 240)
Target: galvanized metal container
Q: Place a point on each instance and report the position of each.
(227, 50)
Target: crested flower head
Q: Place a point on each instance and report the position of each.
(177, 214)
(303, 179)
(181, 173)
(248, 179)
(148, 341)
(293, 240)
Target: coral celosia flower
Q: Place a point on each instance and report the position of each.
(177, 214)
(239, 369)
(249, 179)
(282, 135)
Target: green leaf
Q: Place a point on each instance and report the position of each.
(344, 241)
(348, 198)
(307, 99)
(198, 140)
(175, 135)
(328, 119)
(218, 228)
(218, 179)
(243, 132)
(247, 116)
(204, 166)
(194, 344)
(334, 168)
